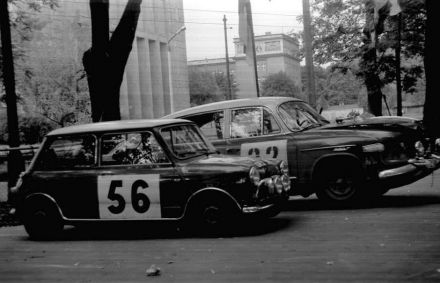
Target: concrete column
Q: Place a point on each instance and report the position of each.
(134, 93)
(156, 78)
(145, 79)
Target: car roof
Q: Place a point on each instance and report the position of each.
(115, 126)
(271, 100)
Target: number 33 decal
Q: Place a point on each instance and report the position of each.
(129, 196)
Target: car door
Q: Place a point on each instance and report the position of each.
(136, 179)
(212, 125)
(254, 132)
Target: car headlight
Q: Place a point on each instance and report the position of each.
(278, 184)
(270, 185)
(286, 182)
(254, 176)
(284, 168)
(420, 148)
(375, 147)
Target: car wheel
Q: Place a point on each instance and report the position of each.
(339, 187)
(213, 216)
(42, 221)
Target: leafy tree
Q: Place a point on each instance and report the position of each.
(203, 88)
(105, 61)
(343, 37)
(280, 84)
(24, 21)
(222, 83)
(338, 87)
(52, 81)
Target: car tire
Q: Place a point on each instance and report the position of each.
(341, 186)
(42, 221)
(211, 216)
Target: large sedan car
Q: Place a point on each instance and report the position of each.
(339, 162)
(142, 170)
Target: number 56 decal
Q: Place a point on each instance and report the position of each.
(129, 196)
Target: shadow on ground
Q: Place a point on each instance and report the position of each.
(167, 230)
(386, 201)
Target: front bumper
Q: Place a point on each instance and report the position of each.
(266, 210)
(415, 170)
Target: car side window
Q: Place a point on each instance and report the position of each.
(68, 153)
(211, 124)
(246, 122)
(252, 122)
(131, 148)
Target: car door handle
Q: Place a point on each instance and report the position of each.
(232, 150)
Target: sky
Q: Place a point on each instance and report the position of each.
(204, 23)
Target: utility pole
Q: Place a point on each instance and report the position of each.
(398, 80)
(309, 54)
(170, 72)
(15, 159)
(227, 59)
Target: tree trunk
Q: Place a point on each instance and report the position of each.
(369, 64)
(431, 112)
(105, 61)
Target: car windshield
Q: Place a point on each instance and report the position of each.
(299, 116)
(185, 141)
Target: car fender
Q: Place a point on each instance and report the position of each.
(341, 155)
(43, 198)
(200, 194)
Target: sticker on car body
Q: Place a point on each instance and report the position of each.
(129, 196)
(269, 149)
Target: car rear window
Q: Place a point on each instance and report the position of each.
(68, 153)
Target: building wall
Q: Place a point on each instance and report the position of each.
(150, 87)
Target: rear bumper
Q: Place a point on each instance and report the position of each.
(415, 170)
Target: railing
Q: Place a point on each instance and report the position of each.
(27, 151)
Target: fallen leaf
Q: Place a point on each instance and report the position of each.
(153, 271)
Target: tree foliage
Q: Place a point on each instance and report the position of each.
(206, 87)
(203, 87)
(335, 87)
(52, 81)
(279, 84)
(24, 21)
(341, 39)
(221, 80)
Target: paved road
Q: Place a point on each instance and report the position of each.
(396, 239)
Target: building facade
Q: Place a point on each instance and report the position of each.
(156, 77)
(275, 53)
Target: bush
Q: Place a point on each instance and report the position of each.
(31, 129)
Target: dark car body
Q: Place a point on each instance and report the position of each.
(339, 162)
(99, 172)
